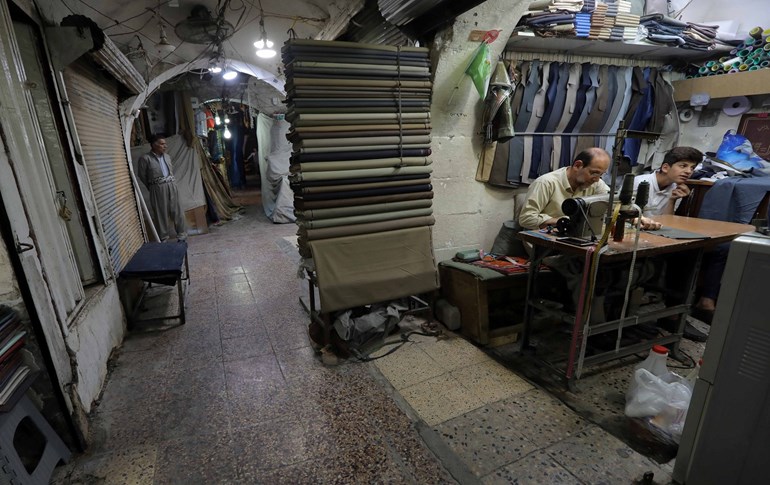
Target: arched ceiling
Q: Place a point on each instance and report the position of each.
(135, 27)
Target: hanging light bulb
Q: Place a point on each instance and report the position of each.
(217, 120)
(227, 133)
(227, 120)
(215, 69)
(229, 74)
(264, 46)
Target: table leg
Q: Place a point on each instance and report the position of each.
(534, 267)
(179, 285)
(691, 286)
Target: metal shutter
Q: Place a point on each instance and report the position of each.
(94, 101)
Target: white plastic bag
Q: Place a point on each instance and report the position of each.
(664, 398)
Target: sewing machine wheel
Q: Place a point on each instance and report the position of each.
(564, 226)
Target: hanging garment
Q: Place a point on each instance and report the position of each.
(570, 104)
(523, 117)
(550, 101)
(594, 121)
(498, 117)
(568, 142)
(557, 111)
(613, 126)
(498, 176)
(591, 96)
(619, 73)
(652, 152)
(538, 110)
(641, 117)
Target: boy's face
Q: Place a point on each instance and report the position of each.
(679, 172)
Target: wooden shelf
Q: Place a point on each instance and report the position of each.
(527, 42)
(724, 85)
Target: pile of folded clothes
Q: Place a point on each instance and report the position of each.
(601, 26)
(624, 23)
(672, 32)
(552, 17)
(583, 19)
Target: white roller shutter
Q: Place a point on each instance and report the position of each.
(93, 98)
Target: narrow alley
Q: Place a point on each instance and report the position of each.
(238, 395)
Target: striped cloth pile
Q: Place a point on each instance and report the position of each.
(360, 131)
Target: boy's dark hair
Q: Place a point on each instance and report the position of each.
(682, 153)
(587, 155)
(155, 137)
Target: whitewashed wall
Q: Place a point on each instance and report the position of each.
(468, 213)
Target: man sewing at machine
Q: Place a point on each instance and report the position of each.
(543, 209)
(546, 194)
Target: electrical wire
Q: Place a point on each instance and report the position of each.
(630, 277)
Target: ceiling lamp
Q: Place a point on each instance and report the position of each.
(163, 47)
(263, 45)
(215, 69)
(229, 74)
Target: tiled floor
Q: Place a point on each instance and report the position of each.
(237, 395)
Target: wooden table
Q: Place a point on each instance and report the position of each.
(650, 245)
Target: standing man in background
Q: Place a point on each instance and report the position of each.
(155, 173)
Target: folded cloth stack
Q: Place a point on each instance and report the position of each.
(360, 130)
(688, 35)
(582, 24)
(550, 18)
(556, 5)
(599, 22)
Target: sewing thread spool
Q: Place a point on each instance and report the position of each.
(730, 62)
(756, 33)
(749, 41)
(766, 47)
(765, 64)
(732, 71)
(744, 53)
(765, 33)
(754, 68)
(703, 70)
(743, 67)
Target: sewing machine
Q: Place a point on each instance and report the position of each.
(584, 216)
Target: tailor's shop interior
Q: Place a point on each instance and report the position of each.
(401, 241)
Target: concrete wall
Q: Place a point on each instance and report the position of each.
(468, 213)
(98, 329)
(707, 139)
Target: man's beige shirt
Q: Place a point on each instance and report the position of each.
(546, 194)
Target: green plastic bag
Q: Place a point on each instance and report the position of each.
(480, 69)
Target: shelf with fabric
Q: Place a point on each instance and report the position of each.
(529, 42)
(724, 85)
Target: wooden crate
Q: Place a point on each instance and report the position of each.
(473, 291)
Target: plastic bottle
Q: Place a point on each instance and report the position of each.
(655, 363)
(692, 376)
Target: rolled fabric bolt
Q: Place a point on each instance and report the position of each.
(743, 67)
(756, 33)
(765, 64)
(766, 47)
(749, 48)
(744, 53)
(732, 71)
(765, 33)
(754, 68)
(756, 61)
(703, 70)
(723, 59)
(727, 63)
(710, 64)
(716, 67)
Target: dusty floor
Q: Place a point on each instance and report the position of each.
(237, 395)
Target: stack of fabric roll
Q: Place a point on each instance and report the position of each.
(360, 166)
(751, 55)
